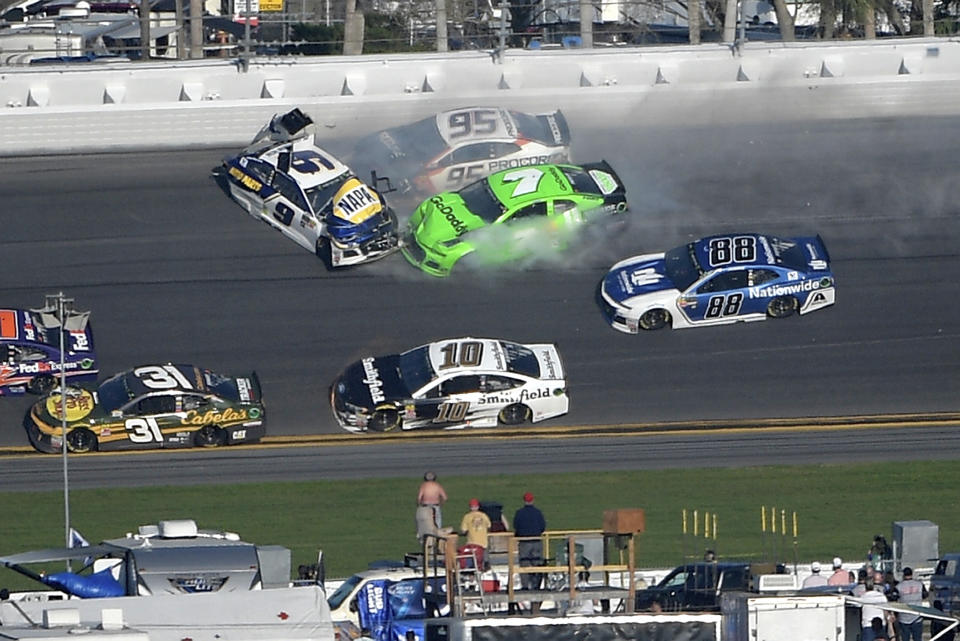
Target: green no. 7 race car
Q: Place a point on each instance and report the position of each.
(510, 215)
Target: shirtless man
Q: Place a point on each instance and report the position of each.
(429, 499)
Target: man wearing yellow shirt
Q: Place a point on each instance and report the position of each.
(475, 525)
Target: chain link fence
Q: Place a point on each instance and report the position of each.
(90, 30)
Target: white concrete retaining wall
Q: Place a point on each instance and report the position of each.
(62, 109)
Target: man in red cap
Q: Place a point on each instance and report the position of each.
(475, 525)
(529, 522)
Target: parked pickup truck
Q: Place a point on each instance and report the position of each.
(945, 583)
(697, 586)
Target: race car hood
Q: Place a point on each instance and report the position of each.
(372, 381)
(355, 202)
(442, 219)
(637, 276)
(82, 405)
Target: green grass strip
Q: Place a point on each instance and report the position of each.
(838, 509)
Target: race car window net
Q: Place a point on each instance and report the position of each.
(290, 190)
(681, 266)
(481, 201)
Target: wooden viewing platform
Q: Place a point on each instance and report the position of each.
(562, 562)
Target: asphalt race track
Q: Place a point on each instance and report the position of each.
(736, 448)
(175, 271)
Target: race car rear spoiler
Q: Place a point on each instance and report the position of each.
(823, 248)
(256, 385)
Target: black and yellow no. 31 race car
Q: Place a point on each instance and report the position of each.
(151, 406)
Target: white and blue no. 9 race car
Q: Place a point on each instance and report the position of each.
(718, 280)
(285, 180)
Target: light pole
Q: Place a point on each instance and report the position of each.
(63, 306)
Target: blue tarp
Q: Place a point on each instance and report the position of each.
(93, 586)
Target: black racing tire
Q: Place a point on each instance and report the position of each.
(782, 307)
(385, 420)
(210, 436)
(654, 319)
(515, 414)
(40, 384)
(323, 252)
(81, 440)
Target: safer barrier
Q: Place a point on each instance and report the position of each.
(116, 106)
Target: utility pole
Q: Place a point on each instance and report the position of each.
(196, 28)
(586, 24)
(63, 307)
(144, 30)
(353, 26)
(181, 31)
(441, 25)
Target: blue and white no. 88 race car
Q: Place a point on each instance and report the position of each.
(285, 180)
(718, 280)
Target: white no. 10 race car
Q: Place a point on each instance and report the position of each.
(285, 180)
(462, 382)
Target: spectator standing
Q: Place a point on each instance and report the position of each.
(839, 576)
(861, 586)
(529, 522)
(475, 525)
(815, 580)
(879, 630)
(880, 554)
(868, 611)
(890, 584)
(430, 497)
(912, 592)
(937, 625)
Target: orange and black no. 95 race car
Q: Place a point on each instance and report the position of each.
(151, 406)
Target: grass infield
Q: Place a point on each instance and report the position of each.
(839, 508)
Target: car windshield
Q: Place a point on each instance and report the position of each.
(481, 202)
(113, 393)
(521, 359)
(682, 267)
(335, 599)
(582, 182)
(321, 196)
(415, 368)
